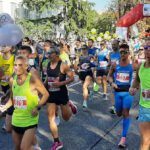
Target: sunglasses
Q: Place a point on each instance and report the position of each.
(83, 48)
(124, 52)
(141, 49)
(102, 44)
(146, 47)
(50, 52)
(25, 41)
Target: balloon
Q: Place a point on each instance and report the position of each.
(105, 36)
(99, 39)
(5, 19)
(93, 38)
(101, 34)
(10, 35)
(93, 31)
(114, 35)
(107, 32)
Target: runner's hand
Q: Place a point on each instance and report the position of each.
(114, 86)
(132, 91)
(34, 112)
(57, 84)
(3, 108)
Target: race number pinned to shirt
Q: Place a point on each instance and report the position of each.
(51, 81)
(85, 66)
(103, 63)
(20, 102)
(146, 94)
(123, 77)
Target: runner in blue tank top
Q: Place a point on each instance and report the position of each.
(113, 57)
(123, 70)
(102, 63)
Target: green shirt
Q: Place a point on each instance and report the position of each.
(144, 75)
(24, 102)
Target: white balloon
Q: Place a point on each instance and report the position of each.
(5, 19)
(10, 35)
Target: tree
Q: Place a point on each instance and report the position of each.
(77, 15)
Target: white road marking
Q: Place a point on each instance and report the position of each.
(74, 84)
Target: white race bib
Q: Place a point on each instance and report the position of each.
(123, 77)
(145, 94)
(51, 81)
(20, 102)
(103, 63)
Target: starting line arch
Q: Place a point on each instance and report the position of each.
(137, 13)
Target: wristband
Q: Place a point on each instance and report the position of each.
(38, 107)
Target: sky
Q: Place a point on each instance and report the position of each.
(100, 4)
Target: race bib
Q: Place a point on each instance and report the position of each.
(85, 66)
(103, 63)
(20, 102)
(123, 77)
(145, 94)
(6, 80)
(51, 81)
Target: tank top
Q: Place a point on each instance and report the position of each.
(55, 75)
(102, 60)
(114, 56)
(144, 75)
(123, 75)
(140, 59)
(24, 102)
(84, 64)
(7, 66)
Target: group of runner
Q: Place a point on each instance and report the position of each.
(31, 78)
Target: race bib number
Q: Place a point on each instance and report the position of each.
(7, 79)
(51, 81)
(20, 102)
(103, 63)
(85, 66)
(146, 94)
(123, 77)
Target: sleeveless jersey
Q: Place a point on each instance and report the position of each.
(140, 60)
(144, 75)
(24, 102)
(123, 75)
(102, 60)
(7, 66)
(114, 56)
(65, 58)
(92, 51)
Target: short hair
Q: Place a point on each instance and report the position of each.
(126, 46)
(28, 48)
(22, 58)
(60, 45)
(56, 49)
(78, 40)
(27, 38)
(85, 46)
(48, 41)
(91, 40)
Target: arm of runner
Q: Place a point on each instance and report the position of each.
(135, 83)
(35, 73)
(65, 70)
(76, 65)
(41, 90)
(2, 74)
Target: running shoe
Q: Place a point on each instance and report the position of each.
(122, 143)
(104, 96)
(96, 87)
(4, 128)
(57, 120)
(91, 96)
(57, 146)
(36, 147)
(112, 110)
(73, 107)
(84, 104)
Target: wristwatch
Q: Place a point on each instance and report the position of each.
(38, 107)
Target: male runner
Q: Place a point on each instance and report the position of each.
(56, 82)
(113, 57)
(7, 64)
(143, 78)
(25, 89)
(122, 70)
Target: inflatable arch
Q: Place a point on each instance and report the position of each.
(124, 23)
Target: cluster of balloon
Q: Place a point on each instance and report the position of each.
(10, 34)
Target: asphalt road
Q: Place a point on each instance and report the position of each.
(95, 129)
